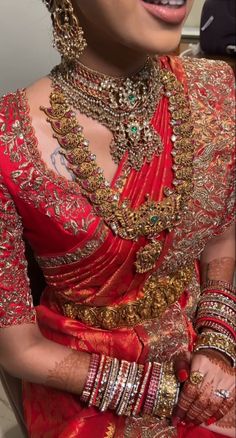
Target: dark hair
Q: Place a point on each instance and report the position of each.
(49, 4)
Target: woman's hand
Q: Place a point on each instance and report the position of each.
(209, 393)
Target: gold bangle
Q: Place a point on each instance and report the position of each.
(168, 392)
(217, 299)
(217, 341)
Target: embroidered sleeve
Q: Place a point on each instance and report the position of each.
(227, 112)
(16, 306)
(210, 87)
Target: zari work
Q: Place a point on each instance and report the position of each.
(158, 295)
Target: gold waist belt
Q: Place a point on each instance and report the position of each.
(158, 294)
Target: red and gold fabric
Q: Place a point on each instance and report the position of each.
(87, 267)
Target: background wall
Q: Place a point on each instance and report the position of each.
(25, 41)
(194, 17)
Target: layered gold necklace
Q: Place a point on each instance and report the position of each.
(124, 105)
(151, 217)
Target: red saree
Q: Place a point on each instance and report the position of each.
(83, 262)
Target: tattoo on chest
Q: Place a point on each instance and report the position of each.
(60, 164)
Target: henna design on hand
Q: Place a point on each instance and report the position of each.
(219, 360)
(201, 403)
(220, 269)
(229, 420)
(66, 374)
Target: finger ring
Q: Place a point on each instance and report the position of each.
(223, 393)
(196, 377)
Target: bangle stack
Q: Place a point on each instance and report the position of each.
(217, 308)
(129, 388)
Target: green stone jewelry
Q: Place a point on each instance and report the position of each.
(151, 217)
(124, 105)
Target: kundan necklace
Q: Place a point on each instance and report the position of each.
(124, 105)
(151, 217)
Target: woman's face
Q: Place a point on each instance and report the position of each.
(142, 25)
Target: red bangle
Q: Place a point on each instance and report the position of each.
(121, 380)
(152, 389)
(93, 367)
(221, 284)
(200, 323)
(219, 291)
(97, 382)
(143, 389)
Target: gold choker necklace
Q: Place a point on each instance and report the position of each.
(124, 105)
(152, 217)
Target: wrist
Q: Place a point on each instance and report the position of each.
(218, 342)
(216, 354)
(217, 310)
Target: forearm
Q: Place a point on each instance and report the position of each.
(218, 258)
(215, 318)
(104, 382)
(45, 362)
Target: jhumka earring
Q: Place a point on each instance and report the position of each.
(68, 35)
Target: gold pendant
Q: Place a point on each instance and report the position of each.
(147, 256)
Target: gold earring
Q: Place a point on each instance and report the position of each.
(68, 35)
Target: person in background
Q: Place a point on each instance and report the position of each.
(117, 169)
(218, 27)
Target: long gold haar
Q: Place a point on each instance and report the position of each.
(151, 217)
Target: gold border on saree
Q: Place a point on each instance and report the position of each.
(158, 294)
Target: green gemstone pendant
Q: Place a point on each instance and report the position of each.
(132, 99)
(154, 220)
(134, 129)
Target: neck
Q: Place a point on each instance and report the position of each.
(113, 63)
(105, 55)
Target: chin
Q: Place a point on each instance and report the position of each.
(161, 44)
(156, 34)
(165, 49)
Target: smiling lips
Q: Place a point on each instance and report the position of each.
(168, 11)
(166, 2)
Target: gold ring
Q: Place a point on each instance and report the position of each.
(196, 377)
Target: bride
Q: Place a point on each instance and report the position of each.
(117, 170)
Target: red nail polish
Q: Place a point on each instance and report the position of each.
(211, 420)
(182, 375)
